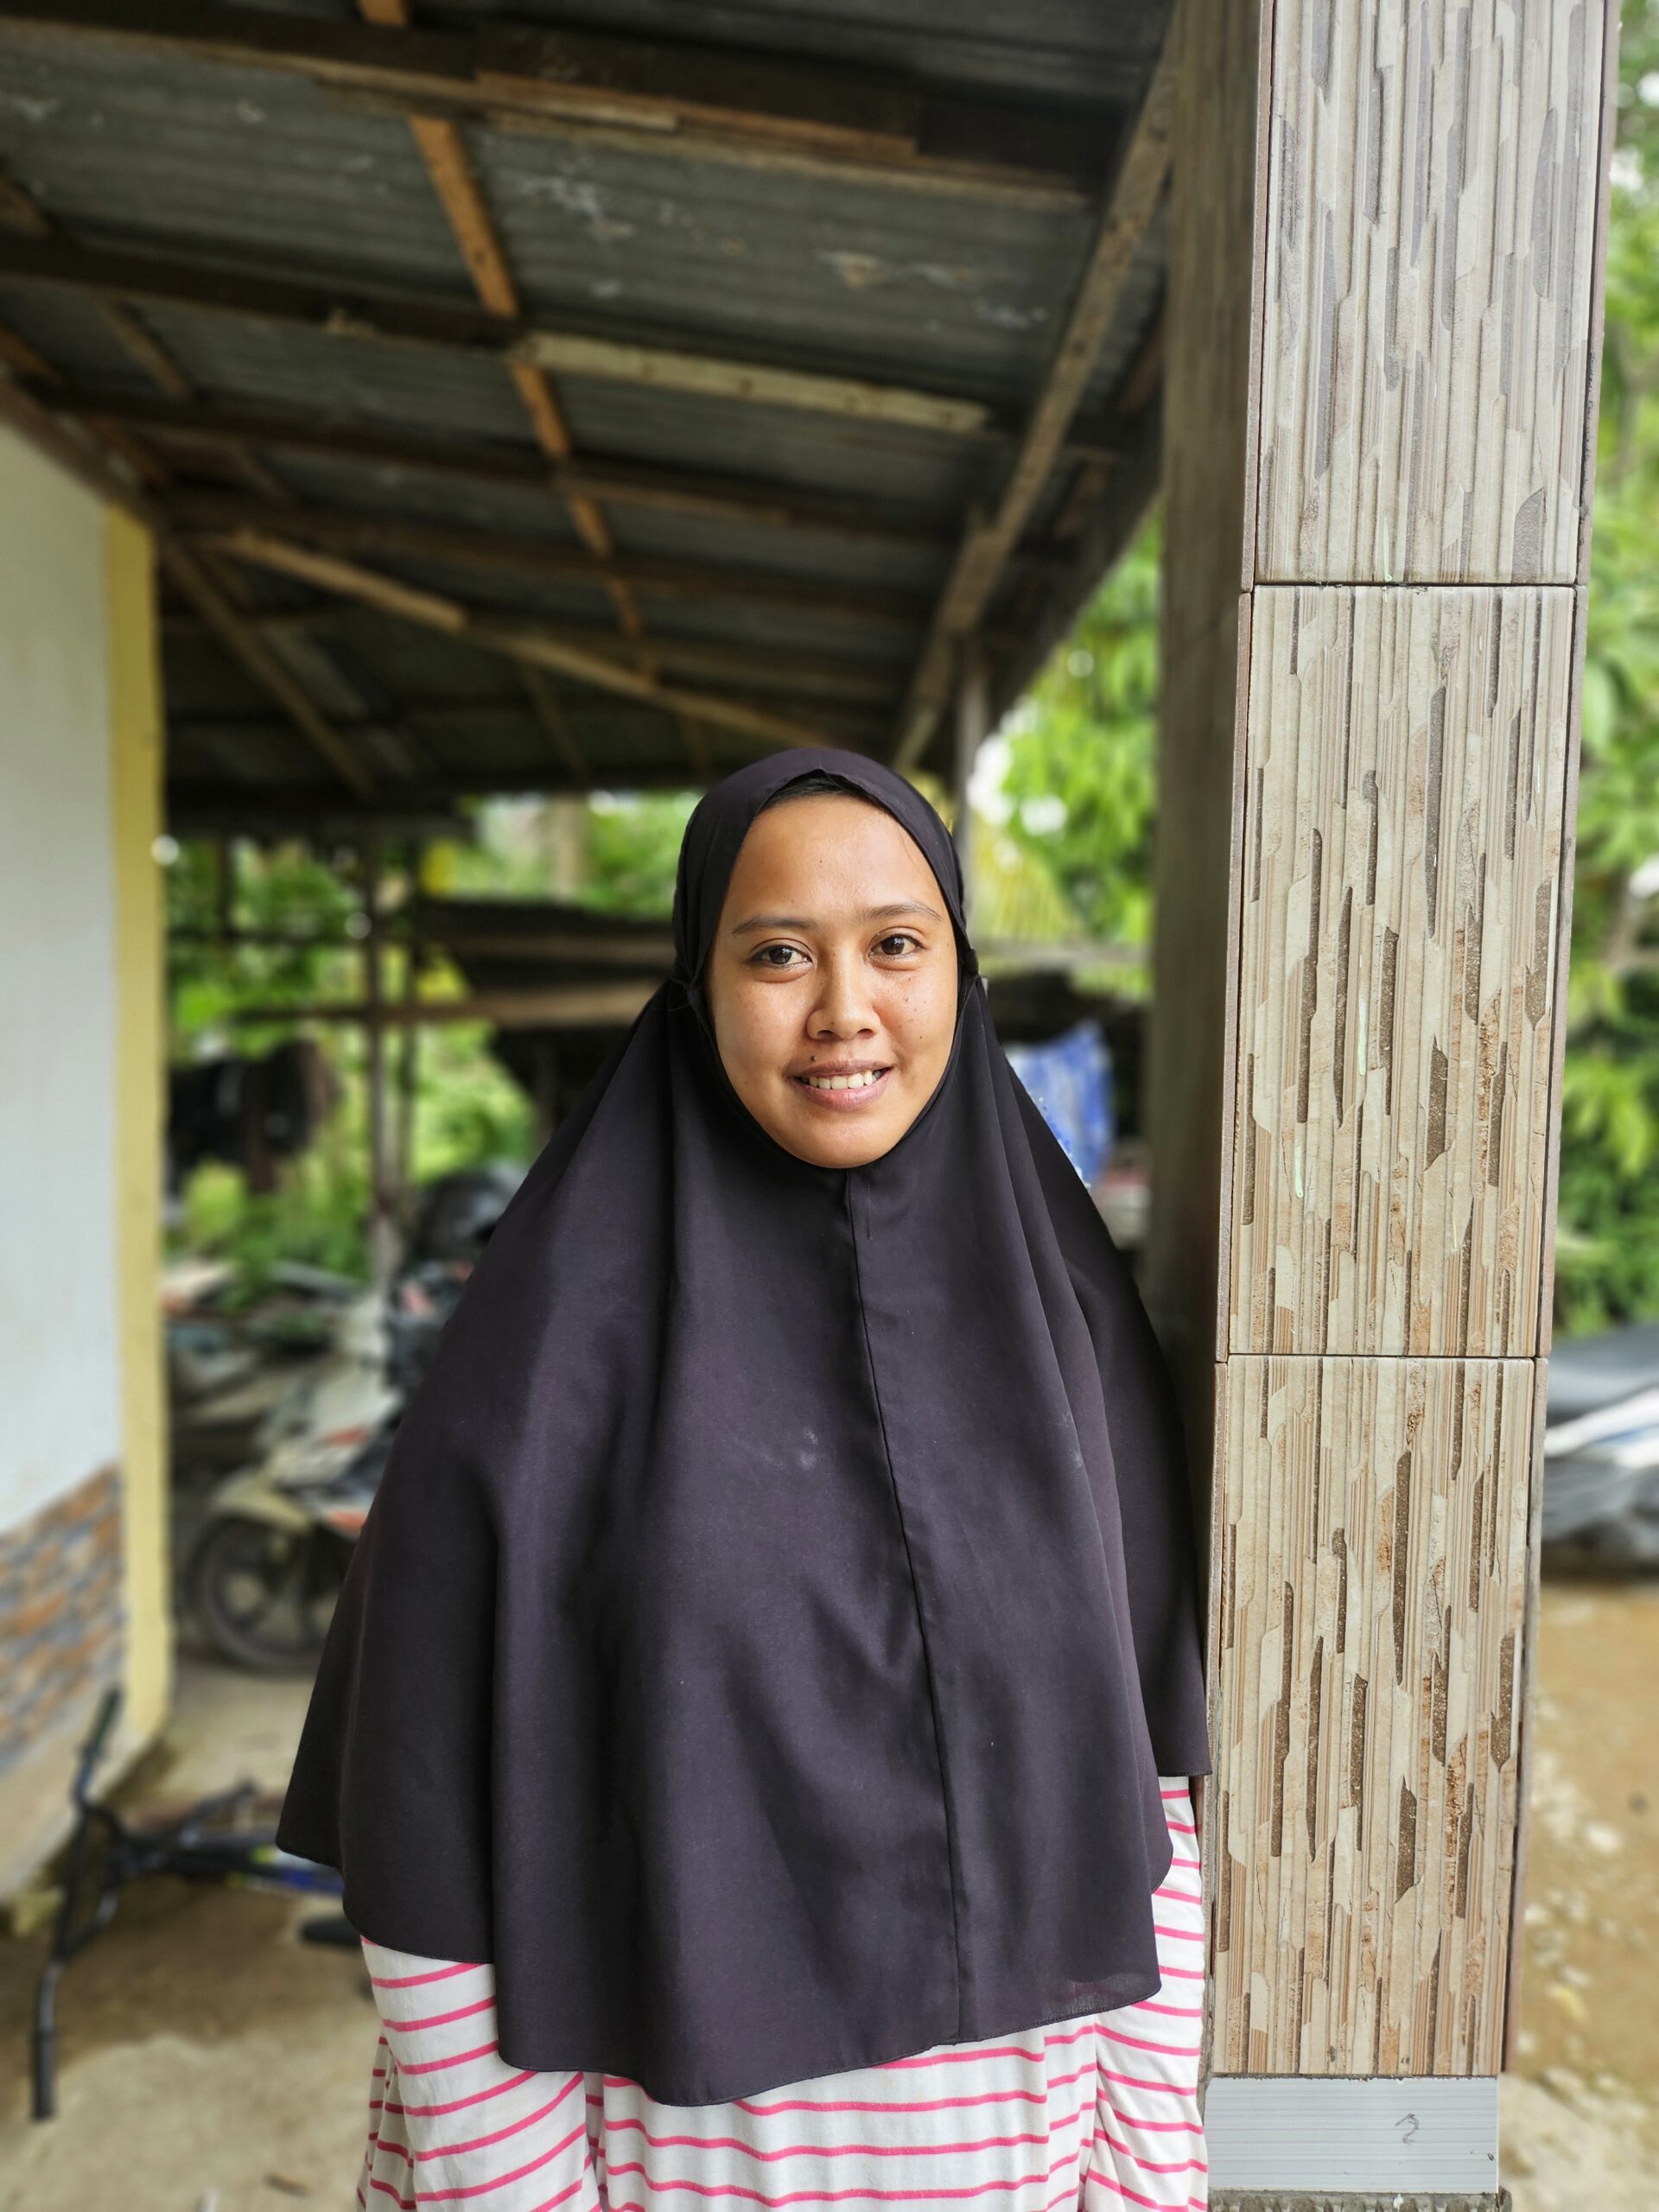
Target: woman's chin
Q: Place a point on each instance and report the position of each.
(827, 1138)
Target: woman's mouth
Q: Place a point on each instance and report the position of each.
(842, 1090)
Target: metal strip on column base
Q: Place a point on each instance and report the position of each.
(1254, 2199)
(1383, 2138)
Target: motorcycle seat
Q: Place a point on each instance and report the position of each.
(1586, 1373)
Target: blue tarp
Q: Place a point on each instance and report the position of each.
(1071, 1079)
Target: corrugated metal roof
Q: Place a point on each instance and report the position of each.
(946, 293)
(1072, 51)
(267, 174)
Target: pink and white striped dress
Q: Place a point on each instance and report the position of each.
(1101, 2112)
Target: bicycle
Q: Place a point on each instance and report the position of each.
(214, 1840)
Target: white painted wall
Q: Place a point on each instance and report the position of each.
(59, 1375)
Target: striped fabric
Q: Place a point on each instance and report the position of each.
(1100, 2113)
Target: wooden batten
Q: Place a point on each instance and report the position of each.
(520, 642)
(989, 542)
(620, 482)
(404, 318)
(794, 116)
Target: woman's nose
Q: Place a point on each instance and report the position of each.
(843, 1008)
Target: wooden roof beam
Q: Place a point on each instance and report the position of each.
(403, 319)
(555, 723)
(694, 102)
(424, 807)
(450, 168)
(990, 543)
(515, 640)
(745, 668)
(211, 514)
(620, 482)
(241, 640)
(559, 1006)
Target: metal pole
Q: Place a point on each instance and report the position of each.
(225, 888)
(408, 1057)
(380, 1226)
(973, 726)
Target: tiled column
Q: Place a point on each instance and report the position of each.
(1382, 336)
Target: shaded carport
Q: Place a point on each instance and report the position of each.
(559, 405)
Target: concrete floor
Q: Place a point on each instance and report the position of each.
(211, 2062)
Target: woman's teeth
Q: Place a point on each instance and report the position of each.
(859, 1082)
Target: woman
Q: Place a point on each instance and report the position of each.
(766, 1688)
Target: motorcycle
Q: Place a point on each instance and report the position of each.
(268, 1565)
(267, 1568)
(1601, 1449)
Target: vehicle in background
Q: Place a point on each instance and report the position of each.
(1601, 1449)
(266, 1567)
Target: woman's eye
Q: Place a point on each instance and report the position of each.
(776, 955)
(901, 943)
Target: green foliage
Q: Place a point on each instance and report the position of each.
(633, 848)
(1082, 776)
(466, 1110)
(1607, 1248)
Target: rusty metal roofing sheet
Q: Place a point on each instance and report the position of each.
(1072, 51)
(269, 174)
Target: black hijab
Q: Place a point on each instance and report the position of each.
(780, 1601)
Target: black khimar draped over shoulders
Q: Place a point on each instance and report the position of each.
(780, 1601)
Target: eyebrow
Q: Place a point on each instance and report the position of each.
(886, 914)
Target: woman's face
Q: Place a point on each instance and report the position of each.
(832, 979)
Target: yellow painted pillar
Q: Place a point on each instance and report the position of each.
(136, 744)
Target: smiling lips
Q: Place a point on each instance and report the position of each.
(843, 1087)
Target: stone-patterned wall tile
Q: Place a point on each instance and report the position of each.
(1432, 201)
(1370, 1587)
(1406, 768)
(62, 1610)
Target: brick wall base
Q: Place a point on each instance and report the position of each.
(61, 1612)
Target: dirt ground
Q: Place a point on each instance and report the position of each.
(208, 2060)
(1580, 2113)
(212, 2062)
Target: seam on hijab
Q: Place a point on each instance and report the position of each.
(945, 1799)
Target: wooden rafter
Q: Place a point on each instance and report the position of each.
(514, 640)
(212, 515)
(553, 719)
(568, 1006)
(213, 594)
(1104, 535)
(689, 102)
(616, 482)
(244, 643)
(424, 806)
(989, 543)
(745, 668)
(401, 319)
(450, 168)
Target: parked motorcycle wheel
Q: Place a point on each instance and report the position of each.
(265, 1595)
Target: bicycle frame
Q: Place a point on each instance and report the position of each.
(180, 1846)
